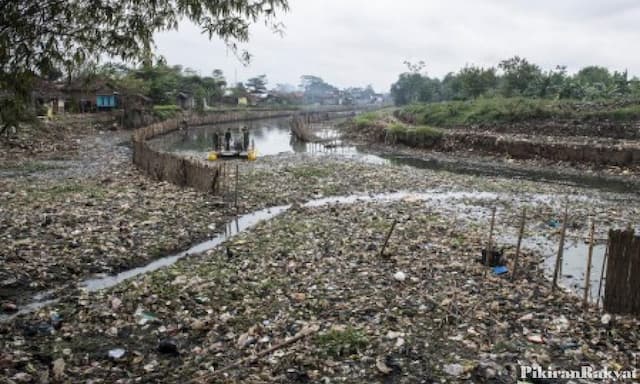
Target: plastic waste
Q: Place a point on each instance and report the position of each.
(500, 270)
(117, 353)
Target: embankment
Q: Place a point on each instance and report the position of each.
(601, 137)
(595, 152)
(599, 153)
(611, 119)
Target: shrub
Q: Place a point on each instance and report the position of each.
(497, 110)
(164, 112)
(365, 120)
(421, 136)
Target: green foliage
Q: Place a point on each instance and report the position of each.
(519, 77)
(365, 120)
(418, 136)
(164, 112)
(257, 85)
(474, 81)
(516, 77)
(415, 87)
(510, 110)
(345, 343)
(39, 38)
(316, 89)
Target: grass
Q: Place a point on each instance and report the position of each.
(341, 343)
(422, 136)
(511, 110)
(65, 190)
(165, 112)
(365, 120)
(29, 167)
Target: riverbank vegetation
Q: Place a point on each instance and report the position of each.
(500, 110)
(44, 40)
(514, 77)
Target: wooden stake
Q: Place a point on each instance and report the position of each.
(604, 266)
(520, 235)
(489, 252)
(557, 270)
(236, 193)
(587, 283)
(224, 180)
(386, 241)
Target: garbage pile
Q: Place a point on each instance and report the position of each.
(309, 297)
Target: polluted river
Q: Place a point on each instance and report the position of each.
(275, 144)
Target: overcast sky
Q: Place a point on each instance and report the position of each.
(360, 42)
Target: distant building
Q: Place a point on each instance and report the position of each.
(185, 100)
(49, 98)
(92, 95)
(107, 101)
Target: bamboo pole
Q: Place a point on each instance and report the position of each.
(587, 283)
(224, 180)
(604, 266)
(520, 235)
(236, 193)
(557, 270)
(386, 241)
(489, 251)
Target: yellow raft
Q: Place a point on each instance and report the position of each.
(250, 155)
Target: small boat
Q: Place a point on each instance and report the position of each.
(250, 155)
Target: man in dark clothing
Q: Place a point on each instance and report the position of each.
(216, 141)
(245, 138)
(227, 140)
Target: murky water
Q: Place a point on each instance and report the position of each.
(237, 225)
(574, 261)
(496, 170)
(270, 137)
(247, 221)
(273, 137)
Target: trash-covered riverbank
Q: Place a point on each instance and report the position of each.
(310, 267)
(422, 310)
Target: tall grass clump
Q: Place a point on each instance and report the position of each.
(498, 110)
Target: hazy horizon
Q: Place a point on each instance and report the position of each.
(359, 42)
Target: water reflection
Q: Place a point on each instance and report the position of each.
(271, 137)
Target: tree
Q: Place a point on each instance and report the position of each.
(257, 85)
(316, 89)
(38, 36)
(475, 81)
(592, 75)
(414, 87)
(554, 84)
(240, 91)
(519, 77)
(415, 67)
(218, 76)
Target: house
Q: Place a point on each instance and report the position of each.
(106, 101)
(185, 100)
(90, 95)
(49, 98)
